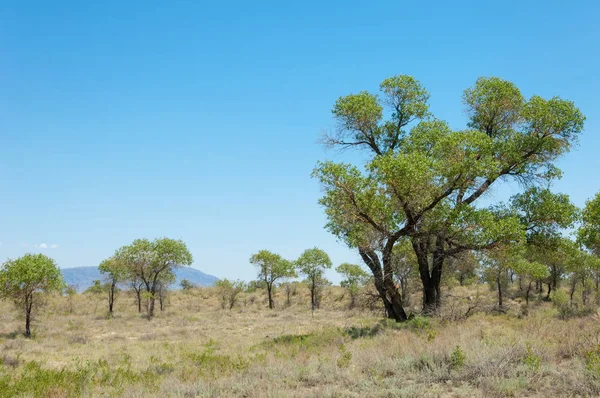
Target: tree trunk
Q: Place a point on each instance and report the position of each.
(111, 298)
(527, 295)
(430, 280)
(28, 307)
(555, 277)
(498, 282)
(312, 294)
(139, 300)
(392, 300)
(270, 294)
(151, 301)
(549, 291)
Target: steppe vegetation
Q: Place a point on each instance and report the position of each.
(466, 295)
(195, 348)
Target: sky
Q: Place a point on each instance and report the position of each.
(200, 120)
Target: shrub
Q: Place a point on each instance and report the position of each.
(531, 359)
(457, 358)
(345, 357)
(560, 301)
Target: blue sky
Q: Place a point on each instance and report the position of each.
(199, 120)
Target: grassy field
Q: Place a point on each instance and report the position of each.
(195, 348)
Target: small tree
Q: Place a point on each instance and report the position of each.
(229, 291)
(271, 267)
(149, 261)
(26, 279)
(116, 272)
(354, 278)
(186, 285)
(312, 263)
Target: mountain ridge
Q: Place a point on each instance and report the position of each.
(84, 277)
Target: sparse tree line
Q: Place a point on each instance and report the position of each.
(418, 212)
(274, 271)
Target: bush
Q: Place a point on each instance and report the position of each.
(531, 359)
(560, 301)
(457, 358)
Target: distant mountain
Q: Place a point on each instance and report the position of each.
(84, 277)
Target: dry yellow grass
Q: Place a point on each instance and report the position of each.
(194, 348)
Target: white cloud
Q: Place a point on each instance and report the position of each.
(42, 246)
(53, 246)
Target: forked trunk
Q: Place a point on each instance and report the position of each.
(430, 279)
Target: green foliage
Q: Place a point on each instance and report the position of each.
(115, 269)
(96, 288)
(345, 357)
(26, 279)
(560, 301)
(457, 358)
(531, 359)
(313, 262)
(353, 274)
(494, 106)
(29, 274)
(37, 381)
(354, 278)
(592, 363)
(544, 212)
(213, 364)
(589, 232)
(360, 116)
(186, 285)
(530, 271)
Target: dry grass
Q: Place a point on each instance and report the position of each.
(194, 348)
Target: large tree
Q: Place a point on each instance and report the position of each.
(25, 281)
(150, 262)
(271, 267)
(424, 180)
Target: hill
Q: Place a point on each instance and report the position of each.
(84, 277)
